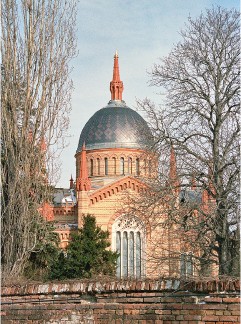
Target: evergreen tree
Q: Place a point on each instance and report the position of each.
(46, 251)
(86, 254)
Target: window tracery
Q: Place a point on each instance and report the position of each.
(128, 239)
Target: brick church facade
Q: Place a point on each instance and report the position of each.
(114, 163)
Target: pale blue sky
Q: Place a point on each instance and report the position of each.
(141, 31)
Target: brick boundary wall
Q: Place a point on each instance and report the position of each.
(164, 301)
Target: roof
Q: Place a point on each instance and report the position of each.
(62, 196)
(115, 126)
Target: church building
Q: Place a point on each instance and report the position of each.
(114, 163)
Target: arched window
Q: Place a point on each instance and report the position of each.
(138, 254)
(128, 236)
(91, 167)
(98, 166)
(114, 165)
(145, 166)
(186, 265)
(130, 165)
(137, 166)
(122, 166)
(118, 249)
(131, 254)
(106, 166)
(124, 252)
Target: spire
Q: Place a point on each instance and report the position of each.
(83, 182)
(71, 183)
(116, 85)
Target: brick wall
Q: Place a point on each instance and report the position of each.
(164, 301)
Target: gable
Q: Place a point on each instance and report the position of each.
(116, 187)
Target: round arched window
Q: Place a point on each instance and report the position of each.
(128, 239)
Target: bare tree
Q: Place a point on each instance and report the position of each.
(38, 41)
(200, 120)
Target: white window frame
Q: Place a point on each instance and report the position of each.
(129, 224)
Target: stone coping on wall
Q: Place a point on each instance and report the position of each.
(109, 286)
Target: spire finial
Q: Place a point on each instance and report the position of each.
(116, 85)
(71, 183)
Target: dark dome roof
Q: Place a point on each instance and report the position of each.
(115, 126)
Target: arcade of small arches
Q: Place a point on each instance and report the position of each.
(119, 164)
(110, 166)
(63, 211)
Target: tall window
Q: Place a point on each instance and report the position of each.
(145, 166)
(137, 166)
(98, 166)
(130, 165)
(128, 241)
(114, 165)
(91, 167)
(122, 166)
(106, 166)
(186, 265)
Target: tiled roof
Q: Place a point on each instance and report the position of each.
(115, 126)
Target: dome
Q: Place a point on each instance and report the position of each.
(115, 126)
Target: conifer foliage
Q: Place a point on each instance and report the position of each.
(86, 254)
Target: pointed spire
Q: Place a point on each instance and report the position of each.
(83, 182)
(83, 167)
(71, 183)
(116, 85)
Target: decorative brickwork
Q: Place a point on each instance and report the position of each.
(167, 301)
(114, 165)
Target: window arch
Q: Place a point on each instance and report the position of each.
(137, 166)
(114, 165)
(98, 166)
(145, 166)
(128, 237)
(186, 265)
(106, 166)
(129, 165)
(91, 167)
(122, 165)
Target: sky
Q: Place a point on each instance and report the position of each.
(142, 31)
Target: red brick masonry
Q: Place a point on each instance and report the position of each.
(164, 301)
